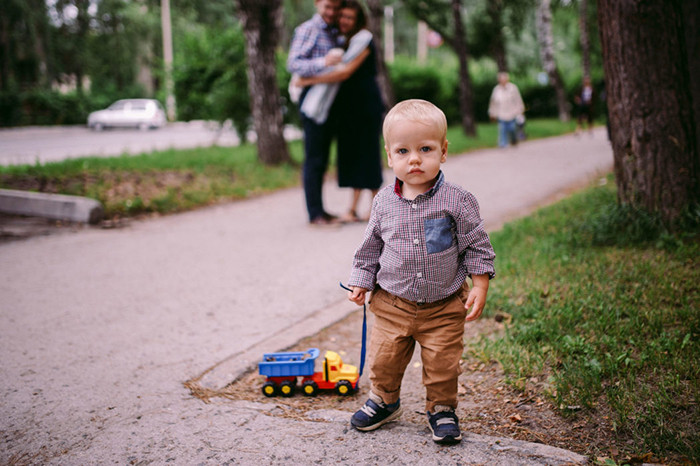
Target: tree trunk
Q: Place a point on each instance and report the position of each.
(262, 21)
(5, 66)
(375, 20)
(440, 23)
(653, 127)
(494, 9)
(584, 39)
(546, 42)
(691, 17)
(466, 106)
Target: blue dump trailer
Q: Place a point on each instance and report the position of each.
(282, 370)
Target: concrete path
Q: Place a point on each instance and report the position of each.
(100, 328)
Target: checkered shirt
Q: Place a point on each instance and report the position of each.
(423, 250)
(312, 41)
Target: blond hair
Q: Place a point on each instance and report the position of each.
(417, 110)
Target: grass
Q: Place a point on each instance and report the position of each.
(177, 180)
(614, 329)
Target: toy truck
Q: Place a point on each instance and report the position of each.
(282, 370)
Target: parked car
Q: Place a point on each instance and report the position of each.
(138, 113)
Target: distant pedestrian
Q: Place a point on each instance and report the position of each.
(505, 106)
(309, 55)
(584, 106)
(424, 237)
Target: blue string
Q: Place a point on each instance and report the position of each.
(364, 331)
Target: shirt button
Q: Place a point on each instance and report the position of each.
(416, 241)
(414, 206)
(419, 275)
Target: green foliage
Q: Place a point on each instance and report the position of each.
(611, 328)
(39, 107)
(438, 82)
(210, 77)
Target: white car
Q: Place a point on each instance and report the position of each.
(138, 113)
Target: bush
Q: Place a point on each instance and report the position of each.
(43, 107)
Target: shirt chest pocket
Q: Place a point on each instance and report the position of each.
(438, 234)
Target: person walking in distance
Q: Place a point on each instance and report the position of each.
(505, 106)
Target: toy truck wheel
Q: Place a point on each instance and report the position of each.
(287, 388)
(310, 388)
(269, 389)
(343, 388)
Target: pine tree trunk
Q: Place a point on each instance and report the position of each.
(546, 42)
(584, 38)
(494, 9)
(5, 64)
(262, 21)
(653, 127)
(691, 17)
(375, 20)
(465, 85)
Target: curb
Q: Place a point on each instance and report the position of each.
(53, 206)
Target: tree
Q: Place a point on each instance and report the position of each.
(546, 42)
(650, 102)
(447, 21)
(375, 20)
(584, 38)
(466, 100)
(262, 22)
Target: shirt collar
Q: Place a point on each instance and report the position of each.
(316, 18)
(429, 193)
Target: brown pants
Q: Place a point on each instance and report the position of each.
(437, 327)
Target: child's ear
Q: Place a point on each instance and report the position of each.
(388, 157)
(443, 159)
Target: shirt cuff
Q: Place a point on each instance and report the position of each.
(363, 279)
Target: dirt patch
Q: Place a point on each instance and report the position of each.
(488, 406)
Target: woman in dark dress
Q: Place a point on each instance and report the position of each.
(358, 107)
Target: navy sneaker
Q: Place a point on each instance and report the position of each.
(445, 426)
(373, 415)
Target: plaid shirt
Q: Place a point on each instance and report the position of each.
(311, 43)
(422, 250)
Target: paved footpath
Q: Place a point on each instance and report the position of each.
(100, 328)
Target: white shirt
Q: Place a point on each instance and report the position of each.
(506, 103)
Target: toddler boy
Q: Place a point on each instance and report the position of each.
(424, 237)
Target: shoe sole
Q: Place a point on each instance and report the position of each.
(392, 417)
(447, 440)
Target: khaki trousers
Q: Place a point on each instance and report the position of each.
(437, 327)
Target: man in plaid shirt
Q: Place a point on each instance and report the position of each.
(424, 237)
(308, 56)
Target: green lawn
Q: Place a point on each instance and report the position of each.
(615, 330)
(176, 180)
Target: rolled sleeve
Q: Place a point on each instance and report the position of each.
(365, 264)
(308, 49)
(473, 241)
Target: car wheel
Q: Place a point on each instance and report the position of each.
(144, 126)
(98, 127)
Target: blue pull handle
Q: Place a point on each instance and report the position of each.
(364, 332)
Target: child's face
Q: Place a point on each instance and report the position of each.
(415, 151)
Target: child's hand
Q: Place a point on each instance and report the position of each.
(357, 295)
(476, 300)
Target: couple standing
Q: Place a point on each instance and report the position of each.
(332, 60)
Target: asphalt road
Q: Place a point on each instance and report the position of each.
(34, 144)
(100, 328)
